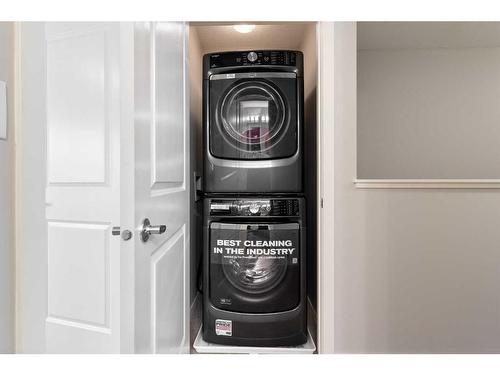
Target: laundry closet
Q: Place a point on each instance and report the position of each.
(267, 206)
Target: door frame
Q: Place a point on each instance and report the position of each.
(127, 187)
(325, 216)
(28, 218)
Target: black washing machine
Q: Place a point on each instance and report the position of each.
(253, 118)
(254, 271)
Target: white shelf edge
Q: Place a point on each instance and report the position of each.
(203, 347)
(427, 183)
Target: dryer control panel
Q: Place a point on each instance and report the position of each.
(244, 58)
(255, 207)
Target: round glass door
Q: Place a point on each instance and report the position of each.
(255, 274)
(252, 116)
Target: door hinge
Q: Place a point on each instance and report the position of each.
(321, 202)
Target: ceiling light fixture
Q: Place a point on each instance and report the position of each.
(244, 28)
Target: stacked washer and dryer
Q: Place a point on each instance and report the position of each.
(254, 232)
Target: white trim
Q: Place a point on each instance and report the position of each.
(427, 183)
(17, 179)
(325, 141)
(186, 343)
(127, 187)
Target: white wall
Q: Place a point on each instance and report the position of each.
(31, 177)
(7, 253)
(428, 112)
(415, 270)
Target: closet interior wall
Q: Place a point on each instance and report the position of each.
(195, 118)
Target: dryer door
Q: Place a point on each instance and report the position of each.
(253, 115)
(254, 267)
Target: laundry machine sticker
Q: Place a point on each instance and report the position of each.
(253, 258)
(223, 327)
(264, 241)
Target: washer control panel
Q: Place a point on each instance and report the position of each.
(255, 207)
(243, 58)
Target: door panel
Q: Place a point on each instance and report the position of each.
(167, 279)
(83, 187)
(77, 70)
(79, 274)
(167, 84)
(161, 190)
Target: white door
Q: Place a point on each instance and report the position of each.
(111, 162)
(83, 187)
(162, 188)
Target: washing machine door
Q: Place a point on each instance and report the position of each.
(254, 267)
(253, 115)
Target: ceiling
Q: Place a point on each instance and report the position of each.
(223, 37)
(394, 35)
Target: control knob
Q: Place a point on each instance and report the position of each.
(252, 56)
(254, 209)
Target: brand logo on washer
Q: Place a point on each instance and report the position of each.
(223, 327)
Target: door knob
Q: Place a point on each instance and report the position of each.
(126, 234)
(148, 229)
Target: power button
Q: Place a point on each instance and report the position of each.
(252, 56)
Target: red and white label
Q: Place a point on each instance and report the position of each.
(223, 327)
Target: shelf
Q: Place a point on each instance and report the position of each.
(201, 346)
(427, 183)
